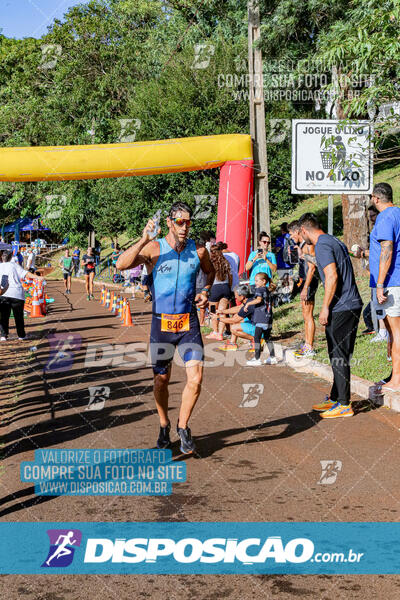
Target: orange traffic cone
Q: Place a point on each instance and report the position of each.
(36, 310)
(108, 298)
(128, 317)
(111, 301)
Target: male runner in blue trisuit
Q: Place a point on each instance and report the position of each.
(172, 265)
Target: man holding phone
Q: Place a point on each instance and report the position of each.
(261, 260)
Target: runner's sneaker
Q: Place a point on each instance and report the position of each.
(91, 297)
(163, 438)
(338, 410)
(271, 360)
(187, 444)
(3, 339)
(323, 406)
(88, 296)
(254, 362)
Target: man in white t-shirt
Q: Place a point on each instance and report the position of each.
(13, 298)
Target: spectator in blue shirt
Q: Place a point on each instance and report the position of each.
(283, 267)
(384, 266)
(261, 260)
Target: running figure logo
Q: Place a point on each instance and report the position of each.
(62, 349)
(330, 471)
(251, 394)
(98, 397)
(61, 552)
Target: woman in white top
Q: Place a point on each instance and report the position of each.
(13, 298)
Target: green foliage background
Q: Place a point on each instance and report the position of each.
(134, 59)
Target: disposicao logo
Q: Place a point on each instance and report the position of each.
(191, 550)
(62, 547)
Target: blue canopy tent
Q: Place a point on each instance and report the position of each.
(24, 224)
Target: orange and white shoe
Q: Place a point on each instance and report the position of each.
(323, 406)
(338, 410)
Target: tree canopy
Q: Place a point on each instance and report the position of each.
(124, 70)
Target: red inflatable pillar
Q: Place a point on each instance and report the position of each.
(235, 207)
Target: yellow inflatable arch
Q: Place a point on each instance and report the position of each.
(231, 153)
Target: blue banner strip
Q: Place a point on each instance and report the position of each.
(199, 548)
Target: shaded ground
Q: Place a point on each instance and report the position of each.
(259, 462)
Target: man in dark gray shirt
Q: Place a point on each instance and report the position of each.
(340, 312)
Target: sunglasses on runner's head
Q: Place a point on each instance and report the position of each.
(180, 222)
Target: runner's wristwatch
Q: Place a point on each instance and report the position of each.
(380, 285)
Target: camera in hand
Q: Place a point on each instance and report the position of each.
(4, 282)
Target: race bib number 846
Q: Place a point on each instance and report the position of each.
(175, 323)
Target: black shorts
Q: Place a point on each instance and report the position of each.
(312, 290)
(66, 274)
(163, 344)
(219, 291)
(88, 271)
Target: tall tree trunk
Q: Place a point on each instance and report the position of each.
(355, 224)
(354, 206)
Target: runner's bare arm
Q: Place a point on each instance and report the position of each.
(206, 266)
(143, 252)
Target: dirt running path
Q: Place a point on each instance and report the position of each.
(259, 462)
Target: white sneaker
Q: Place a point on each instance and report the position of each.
(378, 338)
(271, 360)
(254, 362)
(3, 339)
